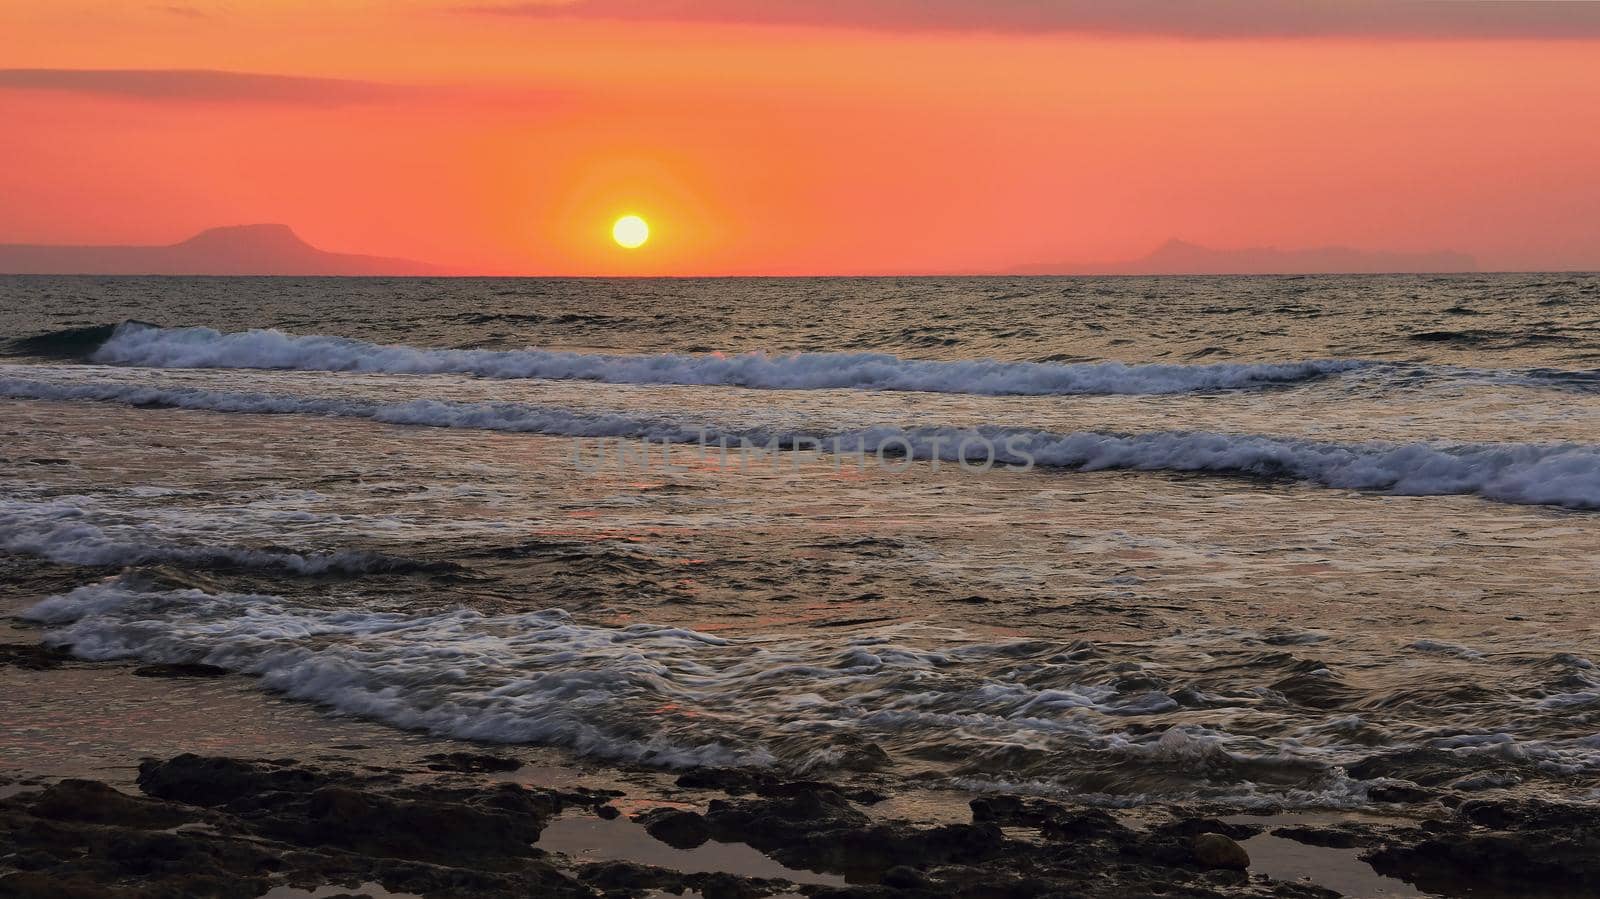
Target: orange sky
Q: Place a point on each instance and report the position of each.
(792, 139)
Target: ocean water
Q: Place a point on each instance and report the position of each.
(1276, 540)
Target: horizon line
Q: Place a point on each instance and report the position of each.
(991, 275)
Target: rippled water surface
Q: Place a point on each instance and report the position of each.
(1266, 540)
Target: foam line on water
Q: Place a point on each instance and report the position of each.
(1566, 475)
(642, 692)
(69, 533)
(675, 697)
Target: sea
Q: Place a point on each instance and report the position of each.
(1287, 541)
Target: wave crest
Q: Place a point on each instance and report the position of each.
(1566, 475)
(134, 343)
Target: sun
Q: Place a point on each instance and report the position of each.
(630, 232)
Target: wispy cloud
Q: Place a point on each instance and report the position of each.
(202, 85)
(1414, 19)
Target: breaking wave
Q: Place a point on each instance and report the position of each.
(147, 345)
(135, 343)
(672, 696)
(1566, 475)
(68, 533)
(1065, 714)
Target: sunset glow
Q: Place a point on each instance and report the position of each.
(783, 138)
(853, 446)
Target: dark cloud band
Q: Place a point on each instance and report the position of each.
(1403, 19)
(198, 85)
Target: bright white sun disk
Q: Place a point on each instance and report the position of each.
(630, 231)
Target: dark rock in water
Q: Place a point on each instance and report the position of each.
(1513, 813)
(39, 885)
(92, 802)
(1011, 811)
(1053, 821)
(905, 877)
(251, 825)
(774, 789)
(181, 669)
(1217, 851)
(277, 821)
(1190, 828)
(1328, 837)
(819, 829)
(213, 781)
(629, 878)
(1533, 847)
(677, 828)
(32, 656)
(739, 782)
(805, 804)
(732, 781)
(373, 824)
(81, 841)
(1511, 863)
(718, 885)
(469, 763)
(617, 878)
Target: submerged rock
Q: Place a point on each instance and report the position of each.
(1327, 837)
(469, 762)
(677, 828)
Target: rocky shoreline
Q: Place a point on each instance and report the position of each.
(241, 794)
(444, 825)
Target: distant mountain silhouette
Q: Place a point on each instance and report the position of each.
(1177, 257)
(236, 250)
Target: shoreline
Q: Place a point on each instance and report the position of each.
(579, 827)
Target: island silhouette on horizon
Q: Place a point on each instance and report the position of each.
(275, 249)
(266, 249)
(1180, 257)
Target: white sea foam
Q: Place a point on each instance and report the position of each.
(143, 345)
(70, 532)
(521, 678)
(1566, 475)
(676, 697)
(665, 695)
